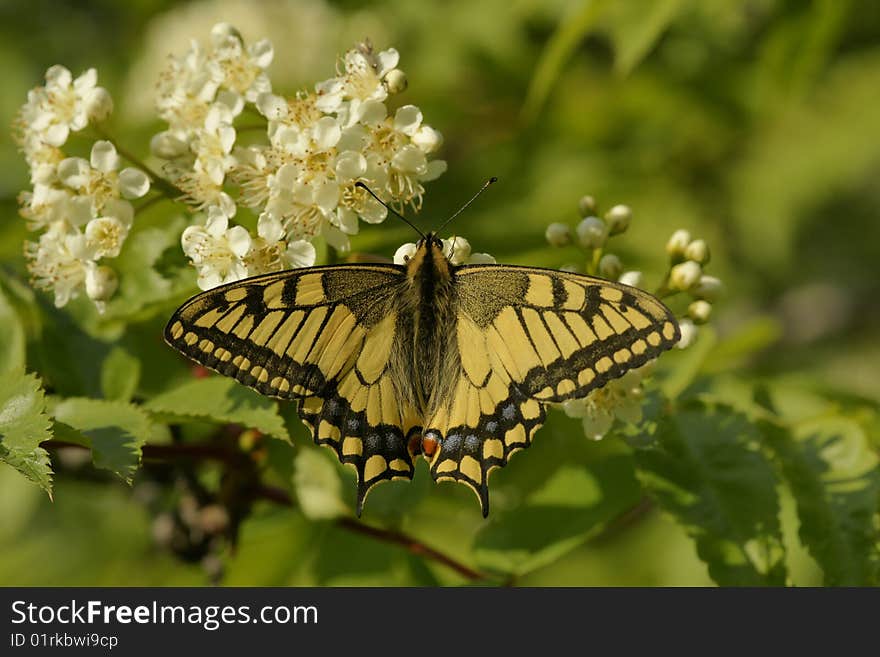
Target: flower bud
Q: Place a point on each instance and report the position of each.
(677, 244)
(558, 234)
(708, 288)
(618, 219)
(684, 276)
(699, 311)
(167, 146)
(395, 81)
(587, 206)
(634, 278)
(101, 283)
(98, 104)
(698, 251)
(592, 232)
(610, 266)
(689, 332)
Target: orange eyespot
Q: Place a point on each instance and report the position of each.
(429, 445)
(415, 444)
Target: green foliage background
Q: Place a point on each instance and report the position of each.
(752, 124)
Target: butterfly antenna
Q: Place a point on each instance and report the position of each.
(491, 180)
(390, 209)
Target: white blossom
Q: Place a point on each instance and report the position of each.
(618, 399)
(99, 178)
(240, 69)
(62, 106)
(58, 262)
(216, 250)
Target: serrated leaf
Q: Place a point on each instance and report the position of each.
(223, 400)
(705, 468)
(115, 431)
(12, 346)
(23, 426)
(120, 373)
(834, 477)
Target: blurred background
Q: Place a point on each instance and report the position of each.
(753, 124)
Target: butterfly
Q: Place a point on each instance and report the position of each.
(455, 364)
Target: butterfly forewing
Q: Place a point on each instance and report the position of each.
(321, 336)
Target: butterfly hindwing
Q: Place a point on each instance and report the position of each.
(322, 337)
(527, 337)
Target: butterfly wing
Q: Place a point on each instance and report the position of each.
(527, 337)
(321, 336)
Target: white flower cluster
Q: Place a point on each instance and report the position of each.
(622, 398)
(456, 248)
(300, 181)
(82, 206)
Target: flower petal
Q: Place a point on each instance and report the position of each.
(326, 133)
(239, 240)
(403, 253)
(133, 183)
(408, 119)
(433, 170)
(104, 157)
(300, 253)
(269, 227)
(350, 165)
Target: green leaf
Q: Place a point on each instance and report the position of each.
(571, 31)
(12, 346)
(115, 431)
(219, 399)
(753, 336)
(573, 503)
(688, 364)
(834, 477)
(636, 26)
(706, 469)
(120, 374)
(142, 289)
(23, 426)
(317, 485)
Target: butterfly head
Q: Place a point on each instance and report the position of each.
(429, 259)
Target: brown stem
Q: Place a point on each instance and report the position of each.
(234, 458)
(409, 543)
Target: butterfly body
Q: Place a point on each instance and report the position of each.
(452, 363)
